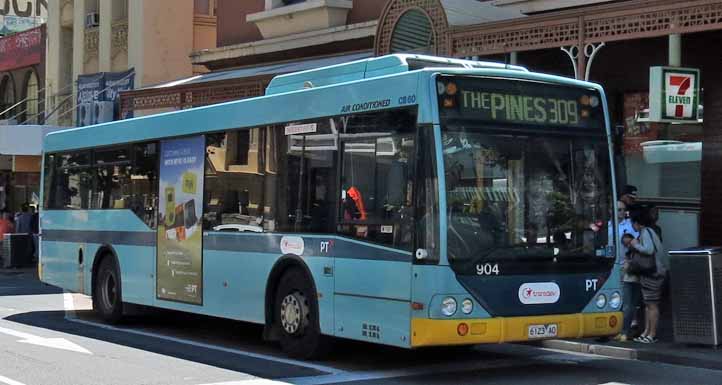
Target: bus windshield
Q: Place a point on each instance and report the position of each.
(525, 195)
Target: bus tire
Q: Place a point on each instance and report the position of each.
(107, 294)
(296, 317)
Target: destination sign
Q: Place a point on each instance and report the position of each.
(519, 102)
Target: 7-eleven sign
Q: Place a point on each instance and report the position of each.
(673, 94)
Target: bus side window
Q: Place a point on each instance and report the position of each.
(111, 173)
(307, 176)
(143, 199)
(235, 178)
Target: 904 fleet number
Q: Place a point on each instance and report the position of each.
(487, 269)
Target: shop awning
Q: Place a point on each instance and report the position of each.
(264, 70)
(24, 139)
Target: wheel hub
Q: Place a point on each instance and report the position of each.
(294, 313)
(109, 289)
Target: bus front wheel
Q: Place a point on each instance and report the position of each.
(296, 317)
(107, 294)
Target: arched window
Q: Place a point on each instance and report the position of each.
(32, 100)
(7, 97)
(413, 33)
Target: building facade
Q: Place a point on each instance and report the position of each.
(22, 65)
(148, 41)
(675, 165)
(258, 39)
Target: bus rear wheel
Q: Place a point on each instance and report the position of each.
(107, 294)
(296, 317)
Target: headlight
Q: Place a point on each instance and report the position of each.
(601, 301)
(615, 301)
(448, 306)
(467, 306)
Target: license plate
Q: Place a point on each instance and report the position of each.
(542, 331)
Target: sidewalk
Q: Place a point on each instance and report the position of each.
(665, 352)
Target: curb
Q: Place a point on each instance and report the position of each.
(600, 350)
(681, 359)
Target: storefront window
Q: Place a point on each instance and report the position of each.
(662, 159)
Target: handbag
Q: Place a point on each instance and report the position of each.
(643, 264)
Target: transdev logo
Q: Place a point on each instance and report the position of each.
(292, 245)
(539, 293)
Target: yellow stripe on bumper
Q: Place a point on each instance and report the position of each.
(435, 332)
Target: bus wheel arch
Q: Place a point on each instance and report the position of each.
(292, 310)
(285, 263)
(106, 267)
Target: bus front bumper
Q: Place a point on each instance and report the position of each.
(438, 332)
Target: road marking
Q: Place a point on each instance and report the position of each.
(614, 383)
(55, 343)
(321, 368)
(8, 381)
(68, 305)
(253, 381)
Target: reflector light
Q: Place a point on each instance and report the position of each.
(462, 329)
(417, 306)
(612, 321)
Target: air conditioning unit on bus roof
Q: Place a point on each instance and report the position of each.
(373, 68)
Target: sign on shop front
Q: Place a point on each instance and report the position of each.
(673, 94)
(22, 49)
(21, 15)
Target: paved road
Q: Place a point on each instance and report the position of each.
(43, 342)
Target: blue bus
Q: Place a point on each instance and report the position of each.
(404, 200)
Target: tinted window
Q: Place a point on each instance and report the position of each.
(123, 177)
(72, 181)
(143, 199)
(112, 177)
(308, 176)
(236, 174)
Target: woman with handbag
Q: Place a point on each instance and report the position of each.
(649, 261)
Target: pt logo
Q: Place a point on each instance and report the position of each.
(591, 284)
(527, 293)
(326, 246)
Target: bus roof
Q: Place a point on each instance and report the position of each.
(391, 77)
(371, 68)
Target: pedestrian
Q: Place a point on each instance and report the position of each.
(629, 196)
(6, 226)
(35, 230)
(653, 218)
(35, 221)
(648, 243)
(23, 220)
(631, 289)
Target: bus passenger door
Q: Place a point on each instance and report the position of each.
(375, 224)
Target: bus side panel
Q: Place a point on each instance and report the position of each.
(372, 300)
(373, 320)
(65, 232)
(234, 284)
(247, 272)
(137, 273)
(319, 267)
(60, 265)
